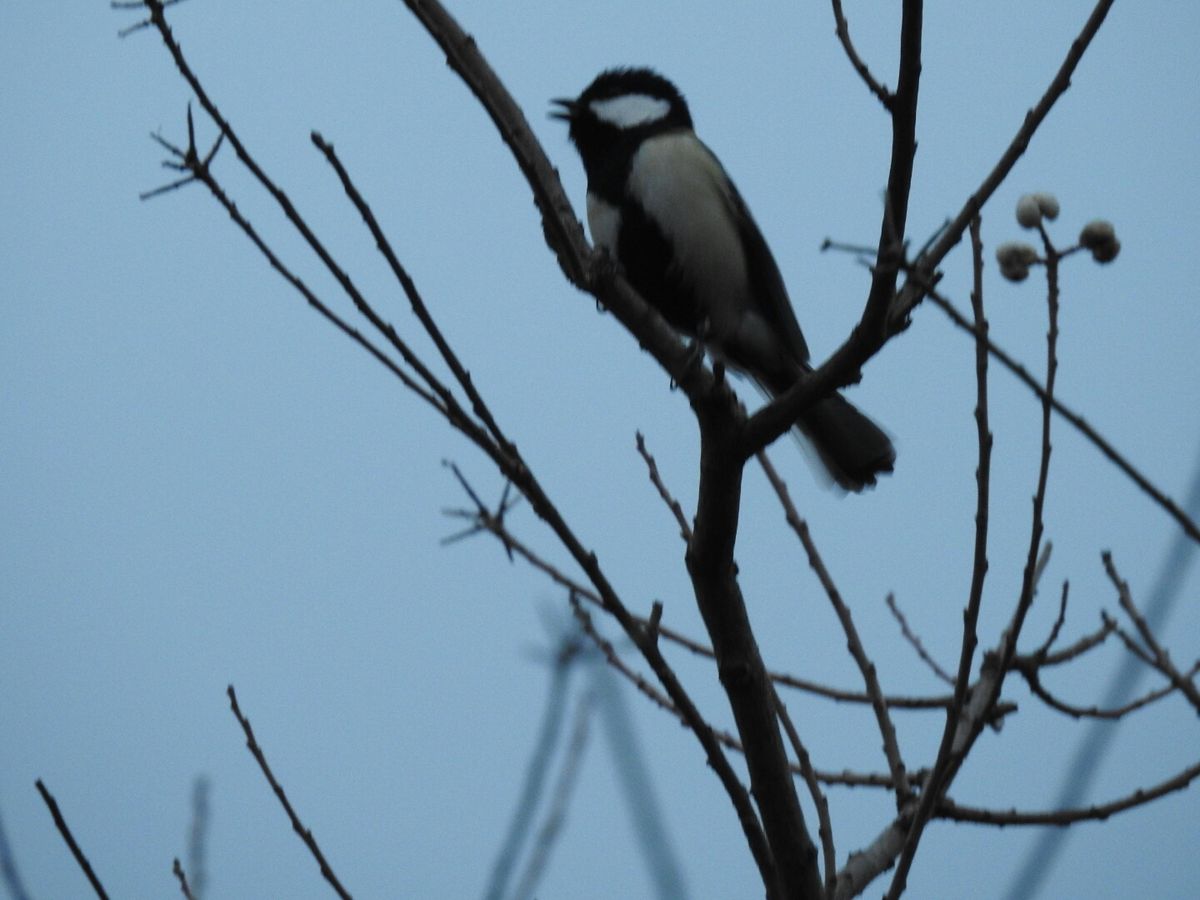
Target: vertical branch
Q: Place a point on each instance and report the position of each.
(871, 332)
(1029, 579)
(904, 150)
(740, 666)
(953, 746)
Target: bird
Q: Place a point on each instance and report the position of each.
(660, 203)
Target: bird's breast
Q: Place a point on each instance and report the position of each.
(684, 191)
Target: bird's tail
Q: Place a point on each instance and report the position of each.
(853, 448)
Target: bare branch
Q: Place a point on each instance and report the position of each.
(202, 173)
(1058, 623)
(181, 876)
(948, 809)
(685, 530)
(1077, 422)
(873, 329)
(951, 751)
(1032, 678)
(63, 829)
(919, 283)
(825, 827)
(915, 641)
(716, 758)
(578, 588)
(461, 375)
(843, 33)
(891, 748)
(1078, 648)
(297, 826)
(1162, 659)
(867, 864)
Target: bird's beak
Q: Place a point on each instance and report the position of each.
(567, 113)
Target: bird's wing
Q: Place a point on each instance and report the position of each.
(766, 283)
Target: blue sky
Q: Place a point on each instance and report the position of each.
(203, 483)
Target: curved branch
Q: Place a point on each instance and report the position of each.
(948, 809)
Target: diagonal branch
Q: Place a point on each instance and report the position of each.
(866, 667)
(297, 826)
(843, 34)
(65, 830)
(1076, 421)
(1161, 659)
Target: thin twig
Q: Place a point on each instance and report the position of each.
(461, 375)
(955, 741)
(519, 548)
(1059, 620)
(737, 792)
(181, 876)
(63, 829)
(283, 201)
(1162, 659)
(1077, 422)
(1073, 650)
(685, 530)
(1032, 678)
(915, 641)
(824, 825)
(297, 826)
(866, 667)
(874, 328)
(1128, 640)
(202, 173)
(948, 809)
(843, 33)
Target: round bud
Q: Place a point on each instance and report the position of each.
(1106, 253)
(1048, 204)
(1029, 211)
(1100, 237)
(1015, 258)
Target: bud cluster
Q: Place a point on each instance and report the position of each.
(1016, 257)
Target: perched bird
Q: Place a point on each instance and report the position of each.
(660, 202)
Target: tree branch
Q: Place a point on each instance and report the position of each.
(297, 826)
(63, 829)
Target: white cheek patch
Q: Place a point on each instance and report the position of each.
(604, 220)
(630, 110)
(685, 191)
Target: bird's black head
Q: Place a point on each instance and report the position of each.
(619, 109)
